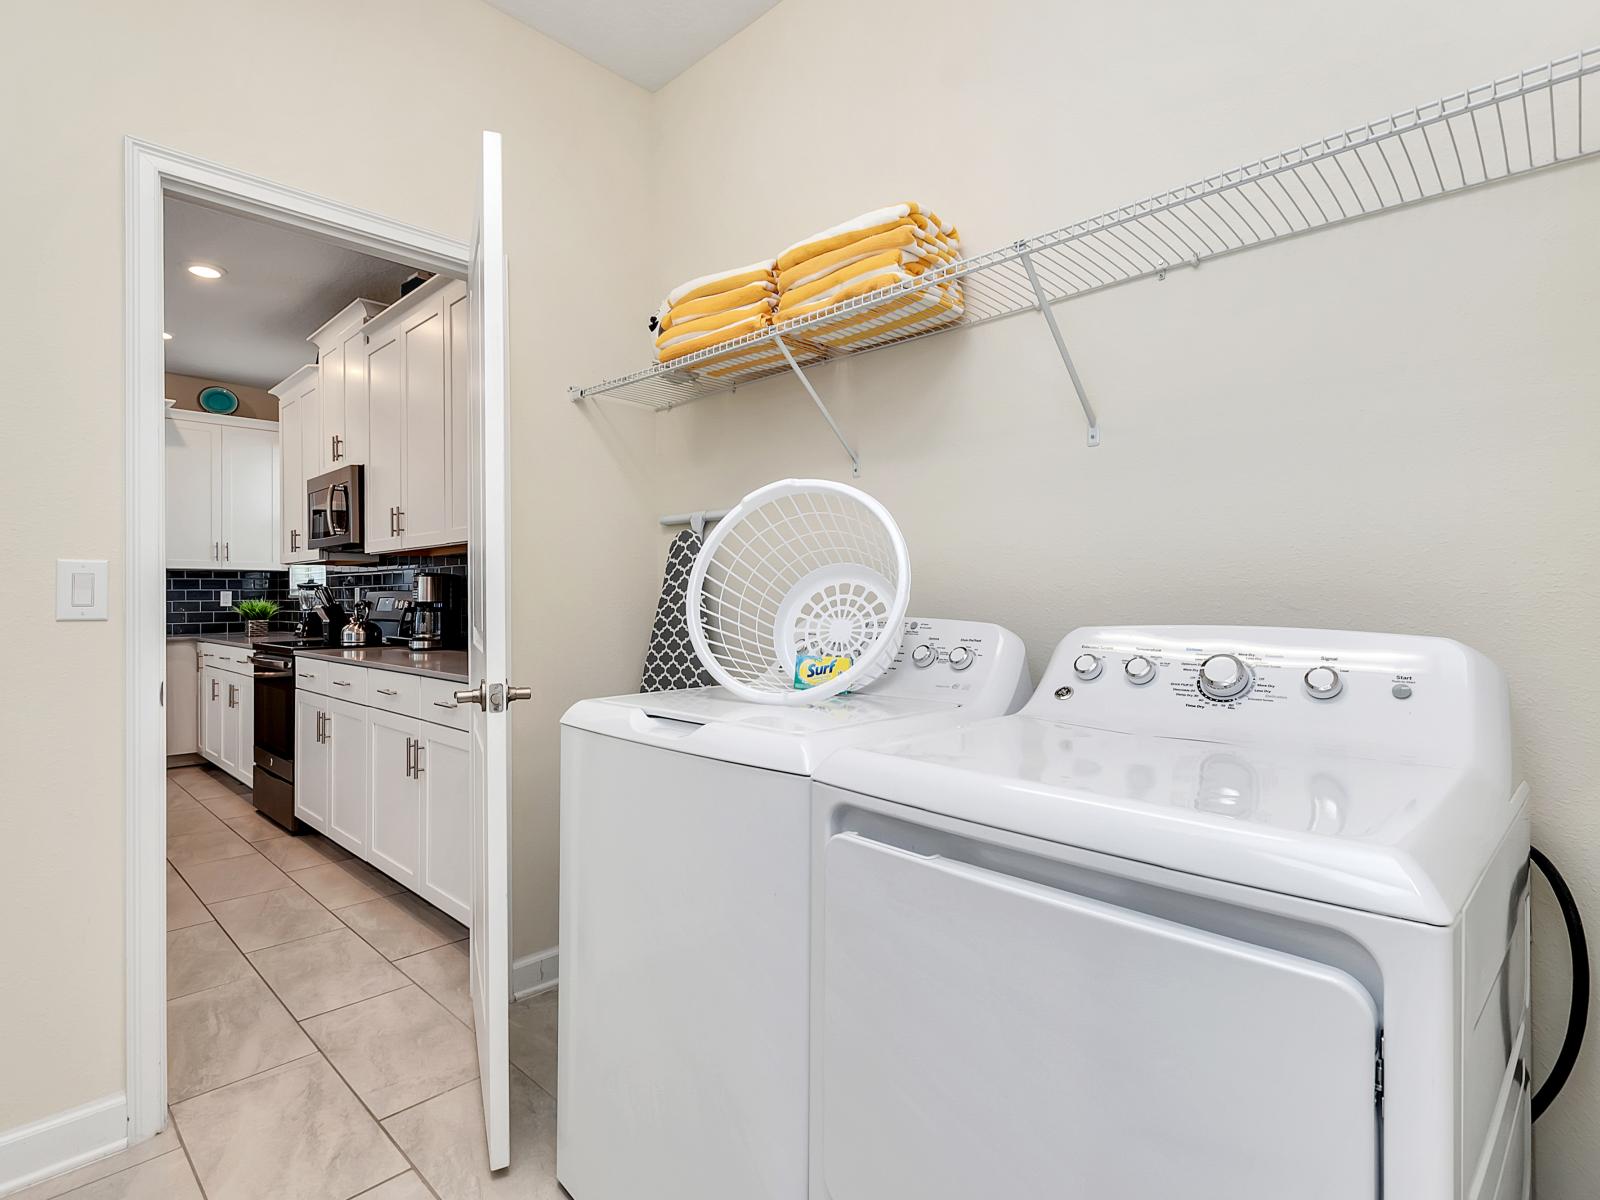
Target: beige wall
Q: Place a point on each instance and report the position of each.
(406, 85)
(1390, 426)
(253, 401)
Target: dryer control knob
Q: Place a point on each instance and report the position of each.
(960, 658)
(1324, 683)
(1139, 670)
(1224, 677)
(1087, 666)
(922, 655)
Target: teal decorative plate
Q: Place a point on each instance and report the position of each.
(218, 400)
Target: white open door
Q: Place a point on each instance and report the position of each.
(490, 772)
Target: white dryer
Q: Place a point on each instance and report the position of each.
(1222, 913)
(685, 916)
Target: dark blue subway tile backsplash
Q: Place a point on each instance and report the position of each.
(194, 606)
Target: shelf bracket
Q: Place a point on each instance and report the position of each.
(855, 459)
(1043, 304)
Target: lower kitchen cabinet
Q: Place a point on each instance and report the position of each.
(311, 780)
(395, 839)
(345, 737)
(387, 786)
(226, 714)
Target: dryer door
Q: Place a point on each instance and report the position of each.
(982, 1035)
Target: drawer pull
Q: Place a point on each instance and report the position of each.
(341, 683)
(442, 704)
(387, 692)
(307, 675)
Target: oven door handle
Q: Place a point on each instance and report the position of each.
(260, 674)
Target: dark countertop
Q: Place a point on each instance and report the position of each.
(440, 664)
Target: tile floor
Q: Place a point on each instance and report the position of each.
(319, 1031)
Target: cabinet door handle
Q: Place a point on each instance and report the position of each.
(215, 557)
(327, 727)
(227, 551)
(294, 541)
(338, 447)
(233, 696)
(416, 760)
(410, 745)
(214, 689)
(400, 520)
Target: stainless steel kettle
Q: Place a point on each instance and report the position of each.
(359, 630)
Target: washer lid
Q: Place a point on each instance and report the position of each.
(712, 723)
(1402, 840)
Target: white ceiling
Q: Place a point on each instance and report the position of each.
(649, 43)
(250, 326)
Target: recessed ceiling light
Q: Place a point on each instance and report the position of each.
(165, 336)
(206, 271)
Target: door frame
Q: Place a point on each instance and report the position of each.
(151, 172)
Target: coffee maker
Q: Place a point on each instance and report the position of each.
(438, 612)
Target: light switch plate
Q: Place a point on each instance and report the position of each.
(80, 589)
(225, 599)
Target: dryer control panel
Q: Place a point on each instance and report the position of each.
(1390, 696)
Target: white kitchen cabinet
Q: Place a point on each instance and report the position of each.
(238, 726)
(299, 425)
(338, 344)
(211, 713)
(442, 763)
(346, 731)
(222, 493)
(311, 778)
(181, 697)
(394, 814)
(194, 494)
(417, 407)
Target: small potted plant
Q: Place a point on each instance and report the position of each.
(256, 614)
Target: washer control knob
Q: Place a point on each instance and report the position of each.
(1087, 666)
(960, 658)
(1224, 677)
(922, 655)
(1139, 670)
(1324, 683)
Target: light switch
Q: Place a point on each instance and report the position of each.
(80, 589)
(225, 599)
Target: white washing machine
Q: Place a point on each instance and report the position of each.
(685, 916)
(1222, 913)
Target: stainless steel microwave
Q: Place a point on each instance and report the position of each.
(333, 510)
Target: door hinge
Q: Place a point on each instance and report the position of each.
(1377, 1073)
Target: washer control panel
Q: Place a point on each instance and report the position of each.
(954, 660)
(1409, 697)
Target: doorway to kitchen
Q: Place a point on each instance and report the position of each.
(441, 719)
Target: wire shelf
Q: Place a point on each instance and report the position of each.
(1512, 126)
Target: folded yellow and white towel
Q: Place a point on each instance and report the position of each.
(868, 224)
(763, 291)
(907, 238)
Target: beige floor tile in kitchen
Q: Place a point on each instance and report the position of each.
(228, 805)
(270, 918)
(192, 818)
(402, 1187)
(183, 906)
(318, 974)
(201, 782)
(169, 1177)
(443, 973)
(444, 1140)
(201, 957)
(228, 1033)
(230, 878)
(189, 849)
(293, 1131)
(397, 1049)
(533, 1038)
(341, 884)
(401, 925)
(253, 827)
(297, 853)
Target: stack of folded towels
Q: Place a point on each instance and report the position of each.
(875, 250)
(713, 309)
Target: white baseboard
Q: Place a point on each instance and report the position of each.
(534, 974)
(57, 1144)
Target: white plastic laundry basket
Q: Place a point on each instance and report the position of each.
(802, 567)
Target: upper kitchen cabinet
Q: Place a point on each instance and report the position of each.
(223, 493)
(341, 437)
(300, 434)
(417, 410)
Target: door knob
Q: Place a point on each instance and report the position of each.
(516, 693)
(475, 696)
